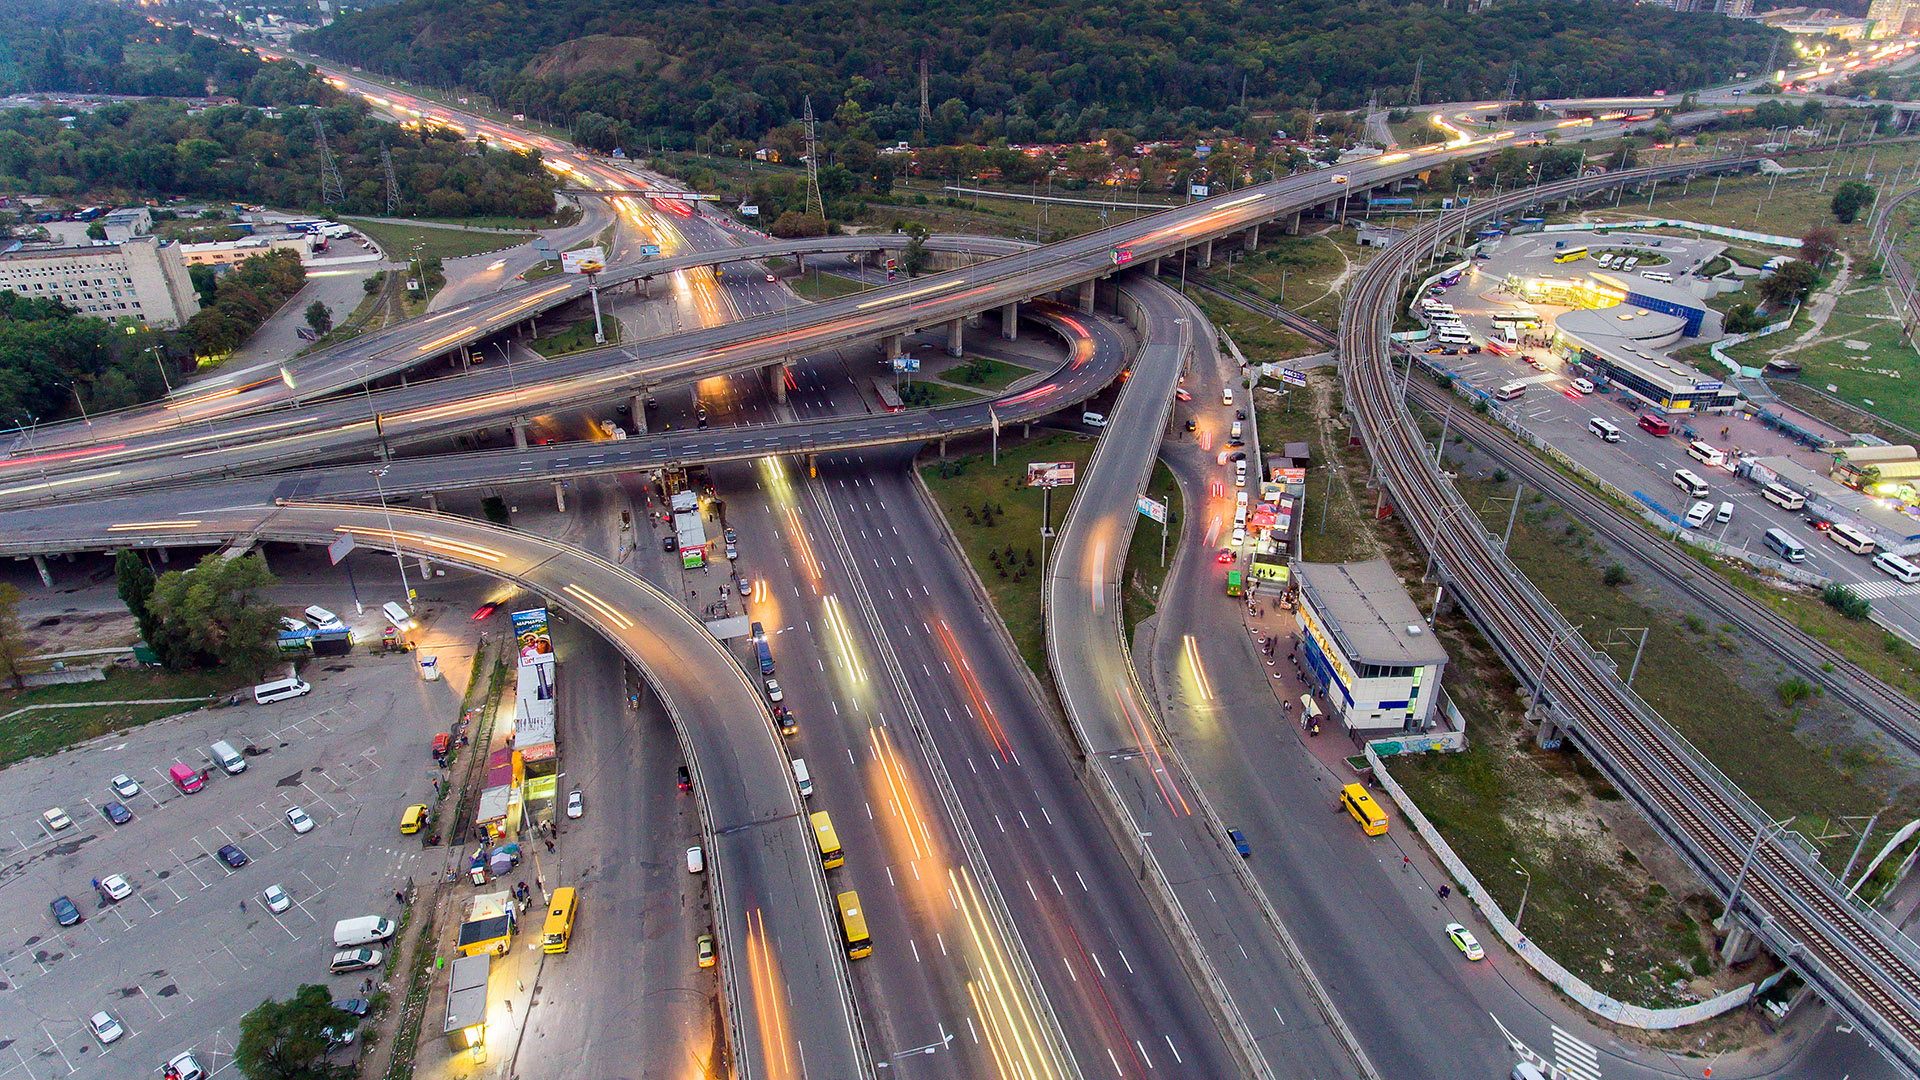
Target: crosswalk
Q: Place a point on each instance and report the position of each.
(1881, 590)
(1574, 1059)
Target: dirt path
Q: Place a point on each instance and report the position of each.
(1339, 281)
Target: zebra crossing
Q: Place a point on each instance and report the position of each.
(1574, 1059)
(1881, 590)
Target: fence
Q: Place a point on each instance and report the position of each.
(1731, 340)
(1748, 235)
(1549, 969)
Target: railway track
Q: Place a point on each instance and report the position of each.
(1853, 956)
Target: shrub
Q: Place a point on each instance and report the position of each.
(1616, 575)
(1844, 600)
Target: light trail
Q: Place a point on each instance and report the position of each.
(978, 696)
(902, 790)
(1199, 670)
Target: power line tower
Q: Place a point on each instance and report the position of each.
(814, 205)
(393, 183)
(332, 190)
(926, 111)
(1417, 68)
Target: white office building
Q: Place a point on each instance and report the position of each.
(1366, 645)
(141, 278)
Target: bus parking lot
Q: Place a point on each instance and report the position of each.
(182, 958)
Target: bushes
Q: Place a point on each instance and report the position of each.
(1844, 600)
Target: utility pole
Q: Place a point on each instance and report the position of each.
(926, 112)
(393, 184)
(332, 190)
(1417, 68)
(814, 205)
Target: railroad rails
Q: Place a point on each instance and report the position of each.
(1857, 960)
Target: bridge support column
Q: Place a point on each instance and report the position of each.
(1010, 321)
(813, 466)
(1293, 224)
(894, 346)
(519, 434)
(560, 495)
(1086, 297)
(637, 409)
(954, 344)
(1550, 733)
(46, 575)
(777, 382)
(943, 457)
(1026, 430)
(162, 552)
(1154, 268)
(1739, 946)
(1206, 254)
(433, 503)
(799, 263)
(1253, 237)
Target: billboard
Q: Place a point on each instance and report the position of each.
(530, 631)
(1152, 509)
(587, 260)
(1050, 473)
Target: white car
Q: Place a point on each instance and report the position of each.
(1093, 419)
(732, 552)
(773, 690)
(186, 1067)
(56, 819)
(298, 818)
(1583, 385)
(276, 899)
(576, 804)
(124, 786)
(105, 1027)
(291, 625)
(115, 887)
(1698, 515)
(696, 860)
(321, 616)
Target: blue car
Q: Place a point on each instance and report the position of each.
(117, 813)
(233, 856)
(64, 911)
(1240, 843)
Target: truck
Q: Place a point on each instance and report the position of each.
(363, 930)
(229, 758)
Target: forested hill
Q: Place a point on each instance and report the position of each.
(1023, 69)
(105, 49)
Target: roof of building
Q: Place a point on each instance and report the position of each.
(1368, 610)
(1866, 509)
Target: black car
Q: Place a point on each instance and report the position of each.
(730, 534)
(354, 1006)
(232, 856)
(686, 779)
(117, 813)
(669, 543)
(64, 911)
(1192, 426)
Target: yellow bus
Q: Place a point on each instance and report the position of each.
(1373, 820)
(829, 841)
(853, 926)
(1570, 255)
(559, 920)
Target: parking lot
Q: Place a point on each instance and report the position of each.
(193, 948)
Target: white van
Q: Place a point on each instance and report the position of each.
(1450, 336)
(1851, 538)
(321, 617)
(1897, 566)
(1686, 481)
(1234, 431)
(801, 777)
(229, 758)
(1655, 275)
(1785, 546)
(1604, 429)
(1705, 453)
(1510, 391)
(1226, 396)
(1698, 514)
(1510, 334)
(400, 617)
(1240, 474)
(364, 930)
(1725, 513)
(279, 690)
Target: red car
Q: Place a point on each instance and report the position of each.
(1225, 556)
(484, 611)
(1183, 395)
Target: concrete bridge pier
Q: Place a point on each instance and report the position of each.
(560, 495)
(637, 408)
(1010, 321)
(777, 382)
(1206, 254)
(162, 552)
(519, 434)
(46, 575)
(433, 503)
(954, 347)
(1154, 267)
(943, 457)
(1086, 297)
(1292, 226)
(1740, 945)
(799, 263)
(1253, 237)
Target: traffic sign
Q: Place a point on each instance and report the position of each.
(1050, 473)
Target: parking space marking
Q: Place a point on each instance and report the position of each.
(148, 998)
(55, 1043)
(184, 865)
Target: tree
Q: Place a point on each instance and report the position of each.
(1818, 245)
(135, 579)
(217, 614)
(282, 1040)
(1788, 285)
(913, 258)
(320, 317)
(97, 231)
(13, 640)
(1851, 198)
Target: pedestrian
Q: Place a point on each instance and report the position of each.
(243, 905)
(399, 897)
(549, 845)
(1406, 863)
(1445, 891)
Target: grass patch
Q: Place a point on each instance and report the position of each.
(985, 373)
(44, 731)
(1259, 338)
(1883, 378)
(1883, 655)
(926, 394)
(998, 542)
(815, 285)
(577, 337)
(397, 241)
(1144, 573)
(1335, 528)
(545, 269)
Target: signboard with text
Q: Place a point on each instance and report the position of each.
(1293, 378)
(1151, 509)
(587, 260)
(530, 631)
(1050, 473)
(749, 210)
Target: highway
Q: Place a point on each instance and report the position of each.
(1862, 965)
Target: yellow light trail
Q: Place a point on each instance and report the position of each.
(903, 792)
(611, 613)
(131, 526)
(798, 534)
(1199, 670)
(457, 547)
(765, 976)
(1008, 1004)
(843, 637)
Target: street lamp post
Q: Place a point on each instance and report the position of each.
(168, 383)
(1524, 890)
(75, 387)
(1760, 836)
(406, 591)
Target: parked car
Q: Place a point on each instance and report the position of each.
(64, 911)
(232, 856)
(355, 960)
(298, 818)
(117, 813)
(354, 1006)
(1464, 940)
(186, 1067)
(276, 899)
(696, 860)
(704, 947)
(1240, 844)
(115, 888)
(774, 692)
(124, 786)
(686, 779)
(575, 804)
(55, 819)
(105, 1027)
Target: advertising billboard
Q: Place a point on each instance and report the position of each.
(530, 631)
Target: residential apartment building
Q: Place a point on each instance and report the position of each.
(140, 278)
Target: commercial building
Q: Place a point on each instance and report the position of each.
(228, 252)
(466, 1023)
(122, 225)
(1619, 331)
(142, 278)
(1368, 647)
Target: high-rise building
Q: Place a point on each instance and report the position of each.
(141, 278)
(1889, 16)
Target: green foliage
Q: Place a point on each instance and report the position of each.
(281, 1040)
(1615, 575)
(102, 48)
(1023, 71)
(1794, 691)
(1851, 198)
(135, 579)
(319, 317)
(216, 614)
(1844, 600)
(13, 641)
(1743, 318)
(913, 258)
(243, 299)
(1788, 285)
